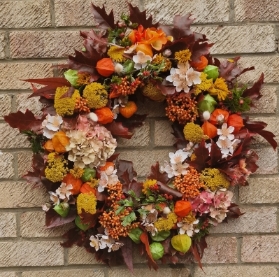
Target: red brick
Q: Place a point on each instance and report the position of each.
(44, 44)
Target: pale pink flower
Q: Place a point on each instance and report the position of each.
(51, 125)
(225, 146)
(193, 77)
(140, 60)
(64, 191)
(54, 198)
(226, 132)
(188, 228)
(178, 157)
(108, 177)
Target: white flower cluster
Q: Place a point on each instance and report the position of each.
(90, 147)
(100, 241)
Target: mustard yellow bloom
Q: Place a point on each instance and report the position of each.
(219, 89)
(193, 132)
(116, 53)
(147, 184)
(152, 92)
(86, 202)
(161, 59)
(96, 95)
(56, 168)
(214, 179)
(166, 223)
(65, 105)
(183, 56)
(205, 84)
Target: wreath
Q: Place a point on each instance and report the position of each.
(170, 213)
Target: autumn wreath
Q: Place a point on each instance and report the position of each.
(171, 212)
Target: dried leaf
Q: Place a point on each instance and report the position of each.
(127, 252)
(73, 236)
(103, 19)
(136, 16)
(157, 175)
(234, 211)
(201, 157)
(24, 121)
(53, 82)
(117, 129)
(144, 240)
(53, 219)
(254, 92)
(95, 41)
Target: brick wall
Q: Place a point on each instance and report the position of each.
(34, 35)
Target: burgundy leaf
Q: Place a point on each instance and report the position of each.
(200, 49)
(53, 219)
(234, 211)
(127, 252)
(178, 134)
(95, 41)
(157, 175)
(201, 157)
(73, 236)
(125, 172)
(53, 82)
(24, 121)
(136, 120)
(254, 92)
(136, 16)
(229, 70)
(136, 187)
(165, 189)
(87, 218)
(69, 123)
(196, 254)
(215, 154)
(47, 92)
(117, 129)
(33, 178)
(103, 19)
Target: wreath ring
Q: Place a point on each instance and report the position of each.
(74, 140)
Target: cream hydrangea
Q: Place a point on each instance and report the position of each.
(90, 148)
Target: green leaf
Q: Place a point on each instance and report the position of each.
(128, 203)
(157, 250)
(72, 76)
(161, 236)
(128, 219)
(134, 235)
(120, 210)
(181, 243)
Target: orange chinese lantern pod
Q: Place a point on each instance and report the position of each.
(129, 109)
(104, 114)
(209, 129)
(200, 65)
(145, 48)
(48, 146)
(236, 121)
(69, 179)
(182, 208)
(106, 166)
(105, 67)
(86, 188)
(219, 116)
(59, 141)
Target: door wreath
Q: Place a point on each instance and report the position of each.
(170, 213)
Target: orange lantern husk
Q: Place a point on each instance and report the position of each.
(201, 64)
(69, 179)
(105, 67)
(105, 115)
(129, 109)
(48, 146)
(217, 113)
(59, 141)
(182, 208)
(106, 166)
(86, 188)
(209, 129)
(235, 121)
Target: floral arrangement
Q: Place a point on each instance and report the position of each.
(74, 140)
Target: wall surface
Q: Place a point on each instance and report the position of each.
(34, 35)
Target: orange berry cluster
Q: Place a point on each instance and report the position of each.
(182, 108)
(81, 105)
(125, 87)
(189, 185)
(115, 193)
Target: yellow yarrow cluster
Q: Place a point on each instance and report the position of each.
(183, 56)
(193, 132)
(189, 219)
(86, 202)
(96, 95)
(159, 59)
(77, 172)
(116, 53)
(56, 167)
(219, 89)
(83, 78)
(153, 92)
(147, 184)
(165, 224)
(205, 84)
(65, 105)
(214, 179)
